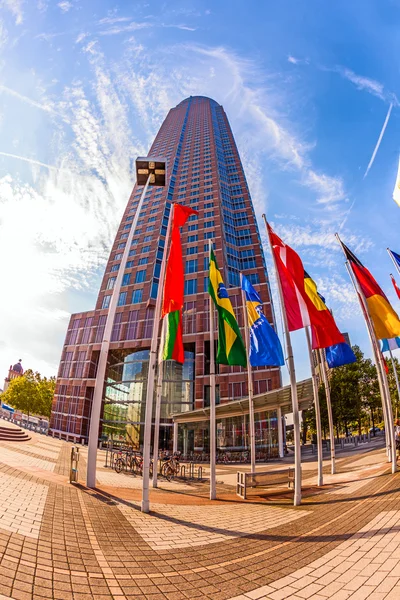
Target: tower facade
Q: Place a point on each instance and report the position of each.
(204, 171)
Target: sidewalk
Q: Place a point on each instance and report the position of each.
(65, 542)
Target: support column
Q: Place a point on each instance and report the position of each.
(280, 432)
(175, 438)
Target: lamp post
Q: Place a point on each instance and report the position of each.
(149, 171)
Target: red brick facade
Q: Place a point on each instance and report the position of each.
(205, 172)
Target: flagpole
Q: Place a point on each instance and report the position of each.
(250, 381)
(293, 386)
(145, 506)
(382, 379)
(393, 260)
(320, 479)
(369, 325)
(396, 378)
(329, 407)
(213, 445)
(104, 349)
(157, 416)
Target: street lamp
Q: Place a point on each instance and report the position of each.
(149, 171)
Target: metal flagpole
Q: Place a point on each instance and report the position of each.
(151, 377)
(105, 346)
(396, 378)
(250, 382)
(157, 417)
(213, 445)
(382, 379)
(317, 409)
(378, 366)
(393, 260)
(293, 387)
(329, 408)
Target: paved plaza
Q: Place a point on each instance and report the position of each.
(64, 541)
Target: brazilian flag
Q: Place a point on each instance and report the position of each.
(231, 349)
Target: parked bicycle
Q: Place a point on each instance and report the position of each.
(132, 463)
(171, 466)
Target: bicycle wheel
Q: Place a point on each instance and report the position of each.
(169, 473)
(118, 465)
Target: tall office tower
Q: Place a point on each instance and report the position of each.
(203, 171)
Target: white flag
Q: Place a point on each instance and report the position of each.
(396, 191)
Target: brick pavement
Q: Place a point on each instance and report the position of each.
(66, 542)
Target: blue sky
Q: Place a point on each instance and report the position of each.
(84, 87)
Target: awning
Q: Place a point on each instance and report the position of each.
(6, 407)
(281, 397)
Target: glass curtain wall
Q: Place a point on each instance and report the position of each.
(125, 396)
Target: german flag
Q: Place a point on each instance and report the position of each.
(324, 330)
(384, 319)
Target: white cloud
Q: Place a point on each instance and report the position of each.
(15, 7)
(65, 6)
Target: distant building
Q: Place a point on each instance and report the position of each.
(13, 372)
(346, 338)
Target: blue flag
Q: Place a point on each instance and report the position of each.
(392, 344)
(265, 347)
(396, 257)
(339, 355)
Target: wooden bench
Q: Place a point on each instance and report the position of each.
(262, 479)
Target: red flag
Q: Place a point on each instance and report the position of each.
(386, 365)
(174, 287)
(396, 287)
(303, 304)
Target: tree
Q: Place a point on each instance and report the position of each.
(31, 393)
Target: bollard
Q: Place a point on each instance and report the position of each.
(313, 448)
(73, 474)
(342, 443)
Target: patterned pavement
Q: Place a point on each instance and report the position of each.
(65, 542)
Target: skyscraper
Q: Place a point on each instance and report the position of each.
(204, 171)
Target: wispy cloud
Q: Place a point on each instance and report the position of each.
(15, 7)
(378, 143)
(65, 6)
(46, 107)
(31, 161)
(367, 84)
(297, 61)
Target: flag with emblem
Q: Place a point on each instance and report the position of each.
(172, 303)
(265, 347)
(302, 302)
(231, 349)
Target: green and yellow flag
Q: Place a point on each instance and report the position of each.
(231, 349)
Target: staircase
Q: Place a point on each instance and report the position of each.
(13, 434)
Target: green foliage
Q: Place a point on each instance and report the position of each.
(355, 397)
(31, 393)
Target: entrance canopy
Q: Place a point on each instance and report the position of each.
(281, 398)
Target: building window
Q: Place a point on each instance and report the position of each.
(145, 249)
(192, 250)
(206, 283)
(253, 278)
(148, 323)
(106, 301)
(110, 283)
(114, 268)
(129, 264)
(190, 286)
(126, 279)
(192, 238)
(140, 276)
(193, 227)
(147, 238)
(80, 364)
(87, 330)
(116, 330)
(122, 298)
(209, 234)
(137, 296)
(133, 321)
(143, 261)
(191, 266)
(66, 365)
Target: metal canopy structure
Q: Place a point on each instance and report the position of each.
(281, 398)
